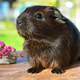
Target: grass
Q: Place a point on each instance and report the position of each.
(10, 36)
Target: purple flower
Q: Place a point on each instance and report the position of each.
(2, 44)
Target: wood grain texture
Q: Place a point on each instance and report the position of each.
(18, 72)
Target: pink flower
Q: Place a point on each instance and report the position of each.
(1, 55)
(13, 49)
(7, 50)
(2, 44)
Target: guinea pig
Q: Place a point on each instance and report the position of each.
(50, 39)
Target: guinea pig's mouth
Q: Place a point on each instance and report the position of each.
(24, 34)
(30, 36)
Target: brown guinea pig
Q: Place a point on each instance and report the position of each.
(51, 40)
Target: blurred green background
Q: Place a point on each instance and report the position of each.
(10, 9)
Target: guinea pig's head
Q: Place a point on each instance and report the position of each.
(41, 22)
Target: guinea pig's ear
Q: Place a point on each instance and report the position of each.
(58, 15)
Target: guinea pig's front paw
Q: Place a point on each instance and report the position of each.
(34, 70)
(57, 71)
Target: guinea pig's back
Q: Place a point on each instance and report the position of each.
(76, 39)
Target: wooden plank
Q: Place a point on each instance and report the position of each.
(18, 72)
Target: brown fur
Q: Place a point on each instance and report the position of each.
(51, 40)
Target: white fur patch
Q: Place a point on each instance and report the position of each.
(57, 14)
(59, 17)
(60, 21)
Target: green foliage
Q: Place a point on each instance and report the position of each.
(11, 37)
(42, 2)
(8, 25)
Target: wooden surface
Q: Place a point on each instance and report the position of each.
(18, 72)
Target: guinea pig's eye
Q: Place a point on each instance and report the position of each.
(39, 16)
